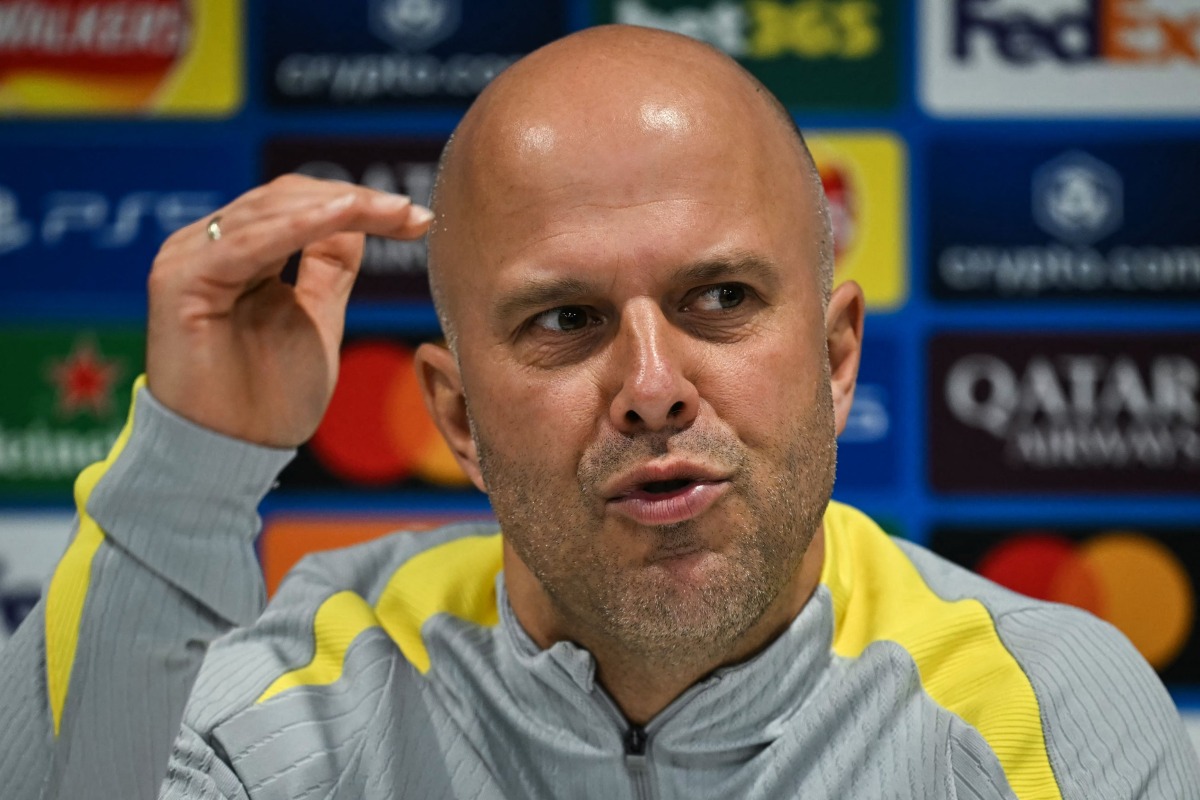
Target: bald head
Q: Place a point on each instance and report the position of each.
(613, 102)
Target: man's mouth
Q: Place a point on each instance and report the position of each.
(667, 500)
(666, 487)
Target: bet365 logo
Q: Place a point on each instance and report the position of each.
(1030, 31)
(767, 29)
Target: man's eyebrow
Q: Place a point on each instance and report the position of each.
(537, 294)
(740, 265)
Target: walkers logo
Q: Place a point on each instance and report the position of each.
(288, 538)
(1142, 581)
(1114, 220)
(79, 226)
(1115, 413)
(398, 53)
(868, 451)
(864, 177)
(391, 270)
(826, 53)
(376, 432)
(169, 57)
(1033, 57)
(30, 546)
(65, 398)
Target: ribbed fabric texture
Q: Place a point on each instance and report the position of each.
(1111, 719)
(495, 716)
(176, 570)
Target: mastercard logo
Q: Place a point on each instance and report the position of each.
(1133, 581)
(376, 431)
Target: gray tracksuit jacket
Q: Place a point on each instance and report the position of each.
(397, 670)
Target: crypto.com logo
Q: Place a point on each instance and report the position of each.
(413, 25)
(1077, 198)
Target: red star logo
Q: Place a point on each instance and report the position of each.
(85, 380)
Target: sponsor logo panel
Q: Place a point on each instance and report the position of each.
(30, 546)
(286, 538)
(85, 223)
(865, 179)
(376, 433)
(1065, 413)
(1142, 580)
(65, 399)
(391, 270)
(815, 53)
(1107, 220)
(115, 57)
(1039, 58)
(393, 53)
(868, 450)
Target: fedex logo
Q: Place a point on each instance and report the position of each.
(1077, 31)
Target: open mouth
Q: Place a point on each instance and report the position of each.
(666, 487)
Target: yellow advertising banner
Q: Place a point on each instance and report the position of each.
(120, 57)
(865, 176)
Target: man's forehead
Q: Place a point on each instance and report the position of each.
(615, 118)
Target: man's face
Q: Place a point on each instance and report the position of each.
(642, 347)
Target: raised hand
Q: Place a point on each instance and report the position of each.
(234, 348)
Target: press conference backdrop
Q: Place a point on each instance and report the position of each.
(1013, 183)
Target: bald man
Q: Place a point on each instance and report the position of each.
(647, 366)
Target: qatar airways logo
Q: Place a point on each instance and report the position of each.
(1082, 410)
(1073, 31)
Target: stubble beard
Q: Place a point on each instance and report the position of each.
(645, 611)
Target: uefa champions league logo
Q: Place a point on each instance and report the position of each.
(1077, 198)
(414, 25)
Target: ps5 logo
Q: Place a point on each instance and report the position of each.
(106, 222)
(15, 232)
(414, 24)
(1077, 198)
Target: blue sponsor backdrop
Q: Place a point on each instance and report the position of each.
(868, 449)
(1055, 216)
(80, 223)
(380, 53)
(365, 71)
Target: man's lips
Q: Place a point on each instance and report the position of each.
(662, 494)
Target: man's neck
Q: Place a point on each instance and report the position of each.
(643, 686)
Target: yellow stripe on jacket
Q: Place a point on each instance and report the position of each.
(69, 584)
(878, 595)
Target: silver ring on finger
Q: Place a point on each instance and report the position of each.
(214, 228)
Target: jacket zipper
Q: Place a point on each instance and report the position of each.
(636, 738)
(636, 742)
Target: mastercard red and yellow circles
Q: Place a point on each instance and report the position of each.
(377, 431)
(1129, 579)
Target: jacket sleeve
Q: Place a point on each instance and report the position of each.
(1111, 728)
(93, 684)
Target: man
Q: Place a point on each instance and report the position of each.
(647, 367)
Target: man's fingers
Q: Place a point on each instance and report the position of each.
(252, 248)
(327, 271)
(267, 224)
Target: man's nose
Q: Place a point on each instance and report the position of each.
(655, 392)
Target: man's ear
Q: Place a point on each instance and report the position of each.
(442, 388)
(843, 333)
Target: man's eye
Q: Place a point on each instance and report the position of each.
(563, 320)
(720, 297)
